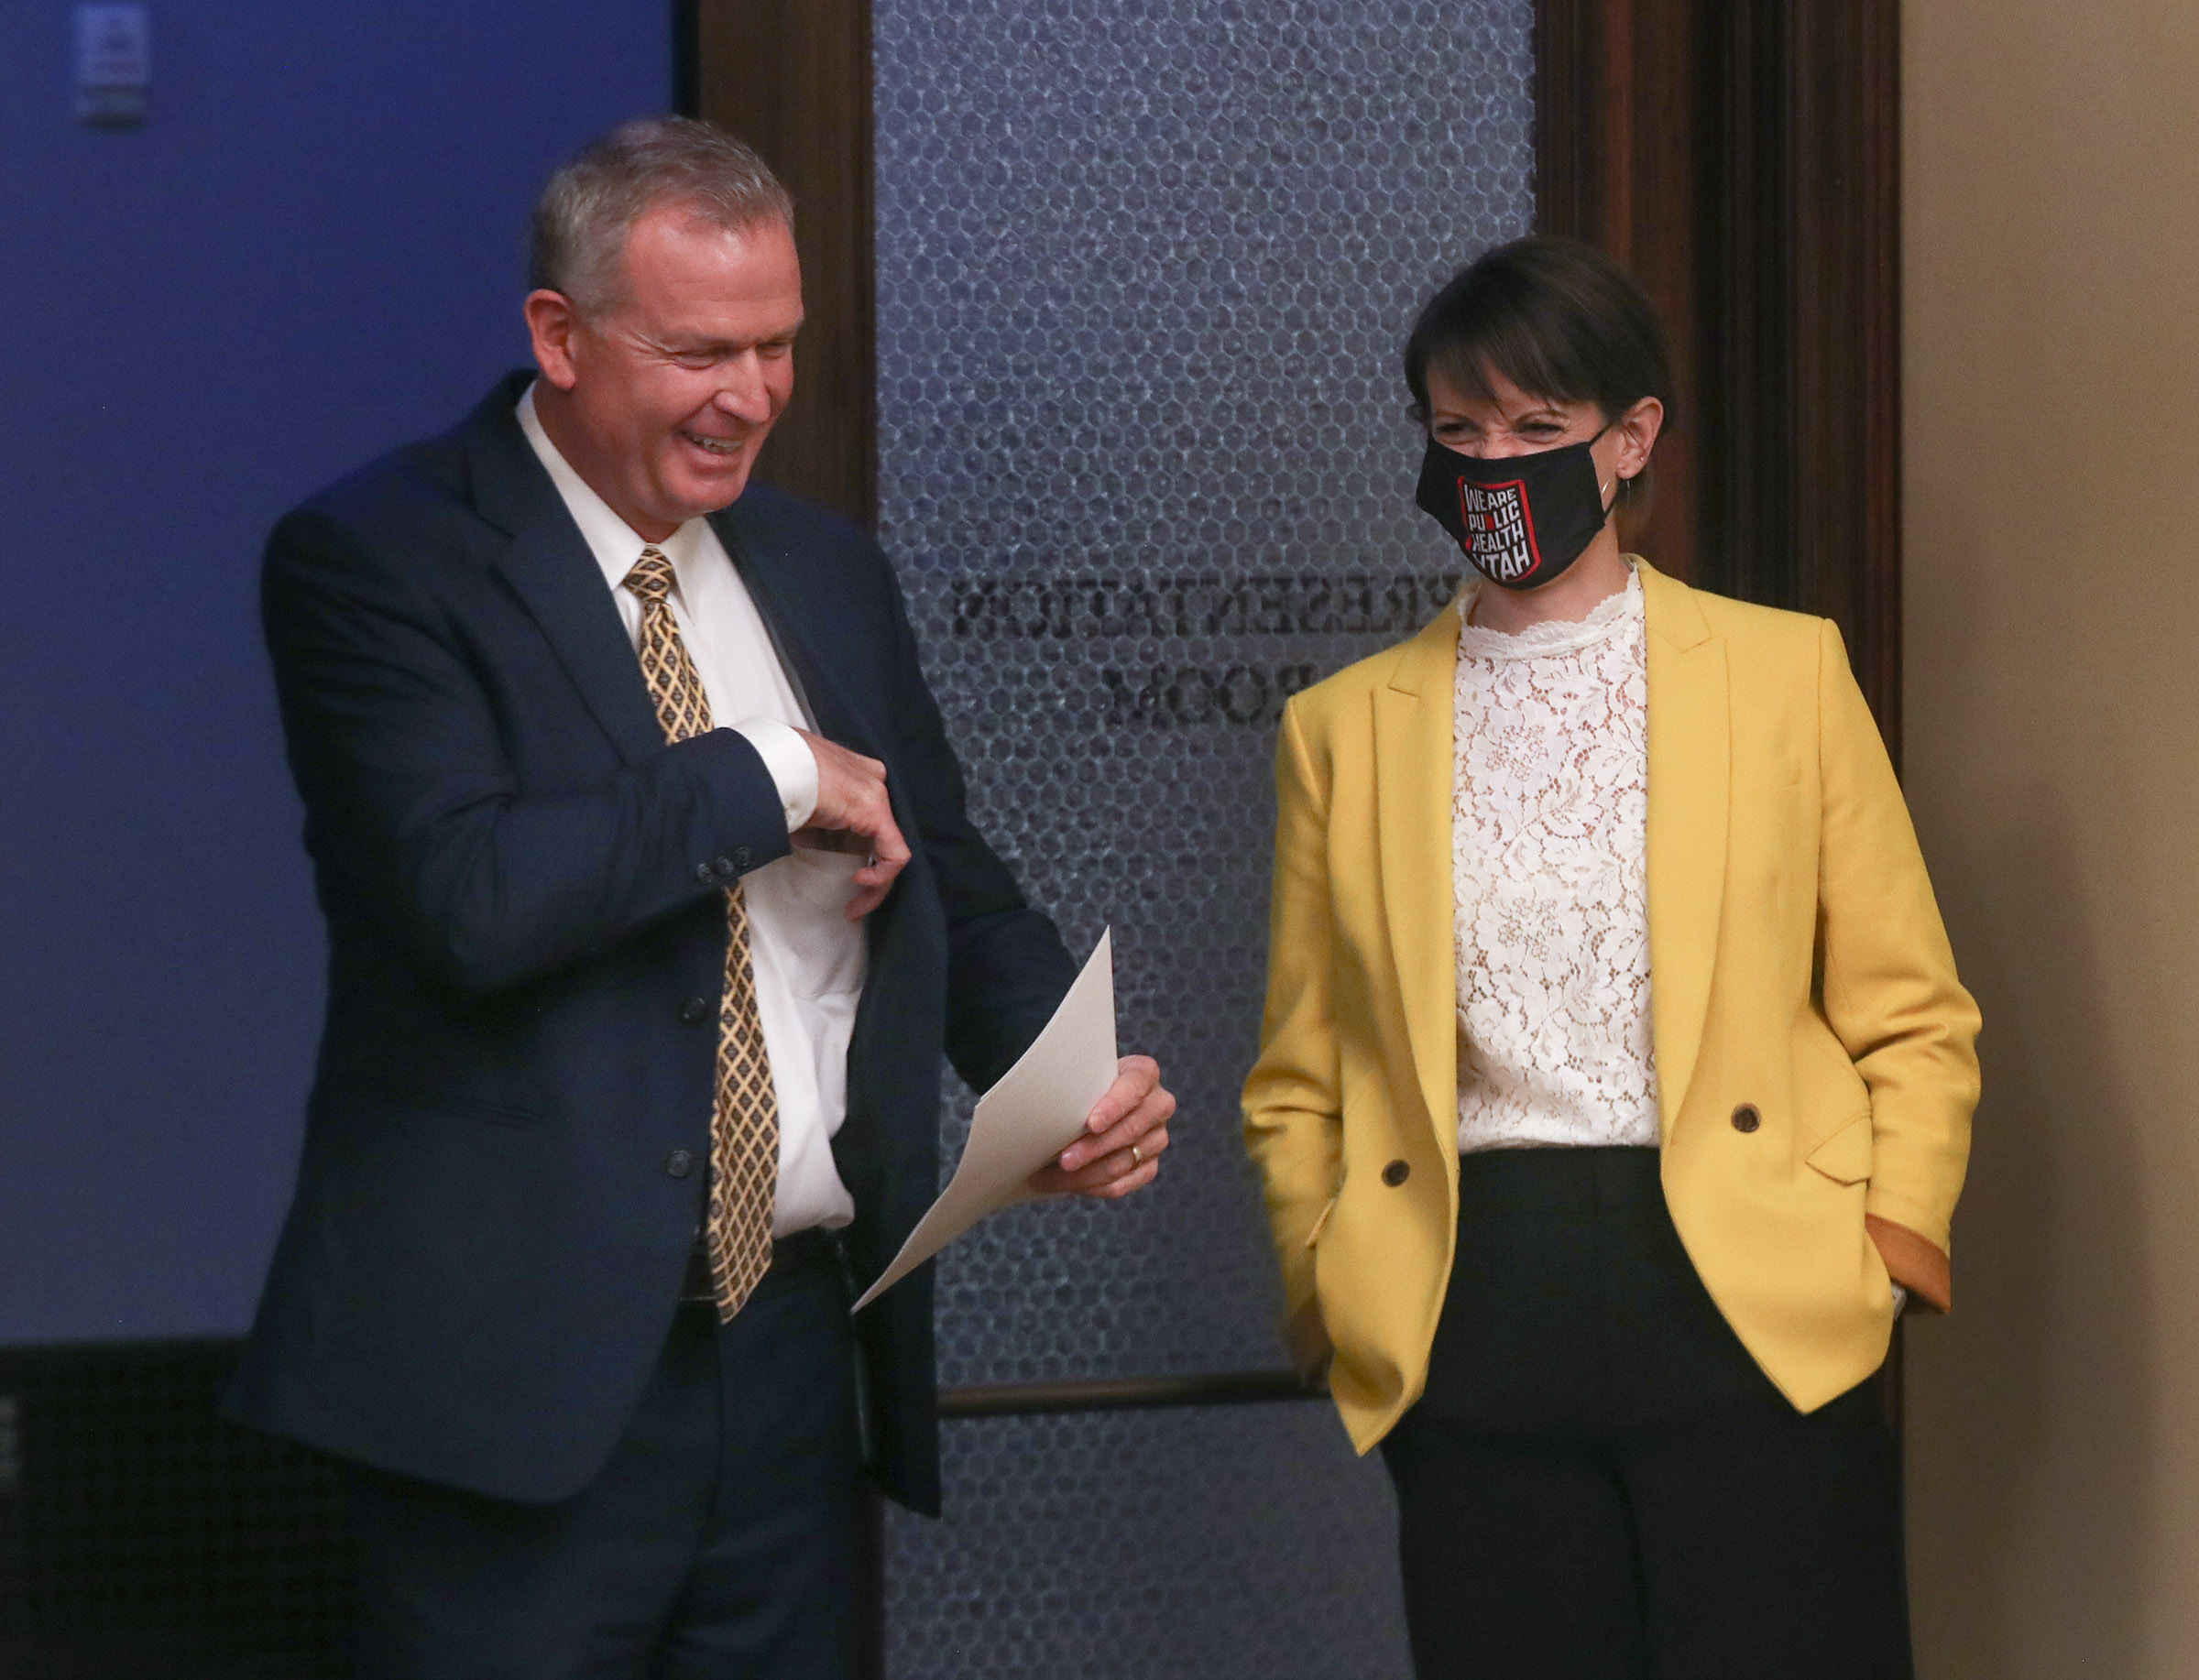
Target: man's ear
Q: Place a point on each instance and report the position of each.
(552, 322)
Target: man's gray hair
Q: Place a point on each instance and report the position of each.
(591, 204)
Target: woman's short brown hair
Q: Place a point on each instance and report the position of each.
(1556, 317)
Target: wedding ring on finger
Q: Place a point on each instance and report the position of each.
(1136, 1160)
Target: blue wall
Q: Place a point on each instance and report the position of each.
(309, 254)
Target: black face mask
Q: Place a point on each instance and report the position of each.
(1521, 519)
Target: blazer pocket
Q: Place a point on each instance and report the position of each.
(1846, 1156)
(386, 1095)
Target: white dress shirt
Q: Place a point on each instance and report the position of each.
(809, 958)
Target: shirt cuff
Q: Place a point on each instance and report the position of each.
(792, 766)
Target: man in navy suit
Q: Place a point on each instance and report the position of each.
(652, 903)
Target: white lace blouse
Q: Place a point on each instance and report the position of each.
(1549, 808)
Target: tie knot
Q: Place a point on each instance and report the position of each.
(651, 577)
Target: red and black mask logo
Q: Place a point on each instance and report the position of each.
(1500, 530)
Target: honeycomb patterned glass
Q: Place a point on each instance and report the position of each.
(1145, 270)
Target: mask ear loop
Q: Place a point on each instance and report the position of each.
(1625, 484)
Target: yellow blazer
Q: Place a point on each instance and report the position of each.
(1814, 1055)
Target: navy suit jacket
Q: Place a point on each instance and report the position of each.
(524, 886)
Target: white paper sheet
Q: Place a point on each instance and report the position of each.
(1036, 1110)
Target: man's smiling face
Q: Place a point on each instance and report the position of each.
(662, 395)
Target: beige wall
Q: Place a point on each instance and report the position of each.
(2052, 387)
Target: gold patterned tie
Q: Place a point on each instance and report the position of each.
(744, 1121)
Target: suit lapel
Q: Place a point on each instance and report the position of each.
(547, 563)
(1412, 819)
(1690, 765)
(782, 589)
(798, 600)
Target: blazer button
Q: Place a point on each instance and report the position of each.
(1746, 1118)
(706, 875)
(695, 1011)
(724, 868)
(678, 1163)
(742, 856)
(1395, 1174)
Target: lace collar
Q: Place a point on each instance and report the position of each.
(1614, 616)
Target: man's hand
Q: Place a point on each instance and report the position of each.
(1124, 1135)
(853, 814)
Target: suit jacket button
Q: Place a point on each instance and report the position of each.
(742, 856)
(725, 868)
(678, 1163)
(695, 1011)
(706, 875)
(1746, 1118)
(1395, 1174)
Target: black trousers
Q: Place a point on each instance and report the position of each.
(721, 1541)
(1600, 1483)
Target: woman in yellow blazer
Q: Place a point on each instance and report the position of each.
(1615, 1080)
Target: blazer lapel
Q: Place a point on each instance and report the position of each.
(1690, 764)
(1412, 819)
(547, 563)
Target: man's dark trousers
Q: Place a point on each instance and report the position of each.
(721, 1541)
(524, 887)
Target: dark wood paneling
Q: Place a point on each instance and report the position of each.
(1845, 174)
(1742, 157)
(792, 79)
(1613, 166)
